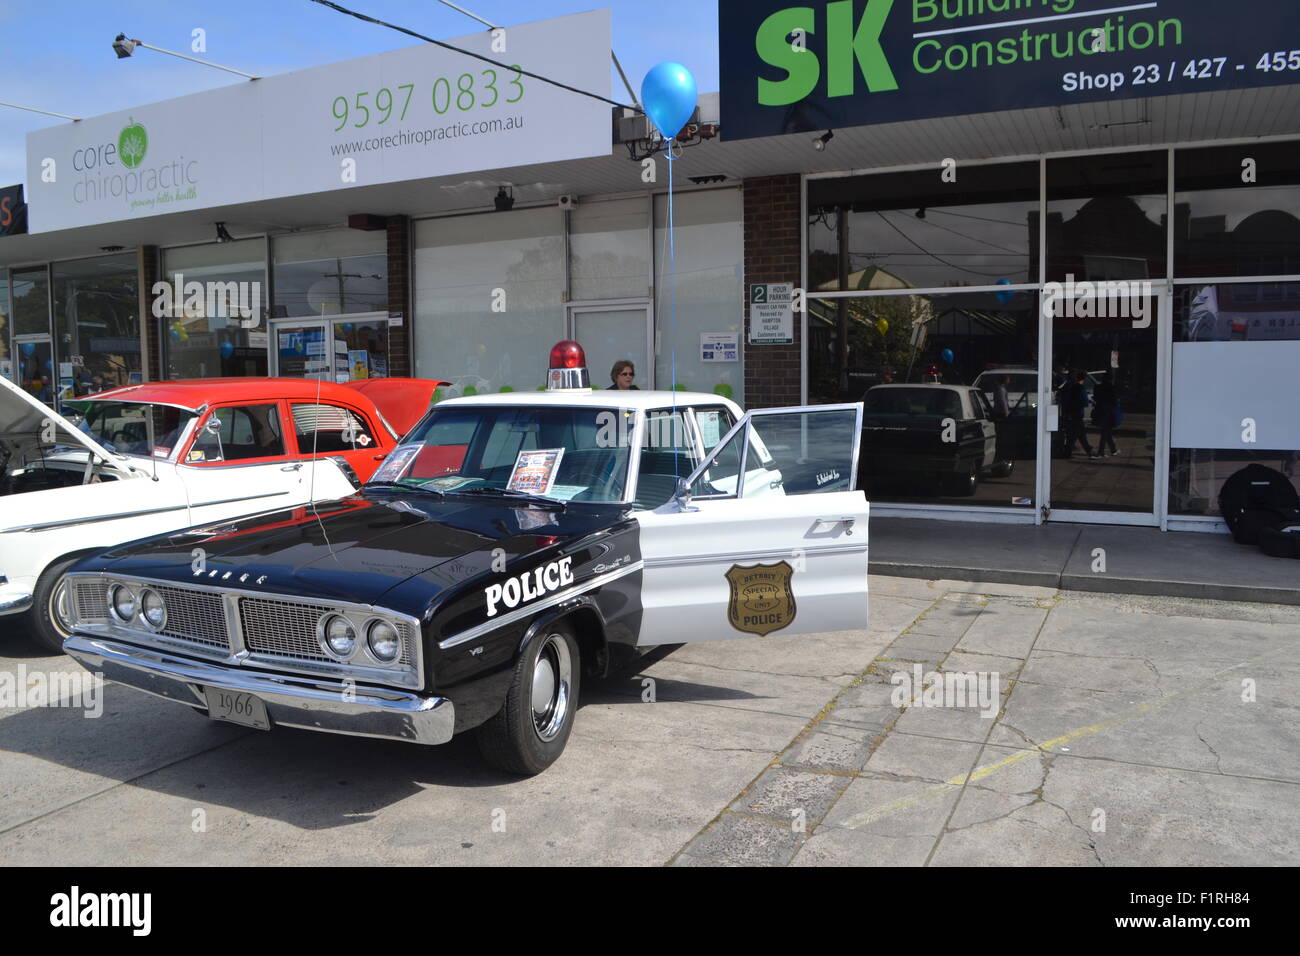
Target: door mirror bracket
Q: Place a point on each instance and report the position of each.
(683, 496)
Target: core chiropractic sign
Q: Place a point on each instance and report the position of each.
(828, 64)
(414, 113)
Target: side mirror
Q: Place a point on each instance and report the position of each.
(683, 496)
(213, 426)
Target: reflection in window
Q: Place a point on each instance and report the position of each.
(909, 230)
(1237, 312)
(238, 433)
(209, 339)
(1225, 226)
(1106, 217)
(96, 312)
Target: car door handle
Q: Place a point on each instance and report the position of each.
(294, 467)
(826, 525)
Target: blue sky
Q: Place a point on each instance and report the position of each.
(58, 53)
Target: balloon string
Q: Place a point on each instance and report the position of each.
(672, 293)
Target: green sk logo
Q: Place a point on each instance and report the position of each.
(761, 598)
(132, 144)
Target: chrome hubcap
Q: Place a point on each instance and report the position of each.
(552, 683)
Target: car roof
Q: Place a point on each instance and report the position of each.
(598, 398)
(917, 385)
(197, 392)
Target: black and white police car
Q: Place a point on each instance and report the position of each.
(510, 546)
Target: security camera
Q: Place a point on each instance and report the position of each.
(568, 201)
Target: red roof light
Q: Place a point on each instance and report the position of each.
(567, 354)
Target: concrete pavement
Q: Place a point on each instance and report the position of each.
(1120, 734)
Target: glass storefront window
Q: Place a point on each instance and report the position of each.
(913, 231)
(1106, 217)
(207, 339)
(710, 244)
(609, 250)
(951, 419)
(1236, 351)
(97, 323)
(31, 305)
(339, 272)
(489, 298)
(1237, 210)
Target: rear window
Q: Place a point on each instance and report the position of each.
(913, 402)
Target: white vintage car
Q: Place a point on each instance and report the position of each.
(154, 458)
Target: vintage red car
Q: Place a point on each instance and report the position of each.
(147, 459)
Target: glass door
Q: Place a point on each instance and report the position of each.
(303, 349)
(1099, 391)
(612, 333)
(34, 367)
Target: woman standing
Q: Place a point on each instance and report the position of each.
(621, 375)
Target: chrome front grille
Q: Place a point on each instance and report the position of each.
(288, 629)
(196, 617)
(92, 601)
(282, 628)
(275, 632)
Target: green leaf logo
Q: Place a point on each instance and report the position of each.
(132, 144)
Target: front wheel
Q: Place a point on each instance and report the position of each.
(530, 731)
(50, 619)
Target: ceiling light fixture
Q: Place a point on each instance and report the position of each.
(222, 234)
(820, 142)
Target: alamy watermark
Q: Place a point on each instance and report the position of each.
(982, 689)
(1100, 299)
(23, 688)
(224, 300)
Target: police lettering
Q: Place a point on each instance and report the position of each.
(530, 585)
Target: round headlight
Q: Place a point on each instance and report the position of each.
(384, 641)
(122, 600)
(341, 636)
(153, 610)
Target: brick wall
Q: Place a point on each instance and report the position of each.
(399, 296)
(148, 272)
(772, 249)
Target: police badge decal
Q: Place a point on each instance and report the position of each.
(762, 600)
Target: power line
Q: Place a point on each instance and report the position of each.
(478, 56)
(914, 243)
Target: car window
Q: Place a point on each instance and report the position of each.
(121, 426)
(237, 433)
(478, 447)
(329, 429)
(667, 454)
(713, 423)
(917, 402)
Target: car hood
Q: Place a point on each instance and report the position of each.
(23, 418)
(356, 549)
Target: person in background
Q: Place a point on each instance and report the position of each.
(886, 376)
(1105, 415)
(1002, 398)
(621, 375)
(1073, 399)
(46, 392)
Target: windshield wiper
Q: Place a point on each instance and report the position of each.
(518, 495)
(398, 486)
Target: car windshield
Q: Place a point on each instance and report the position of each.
(122, 426)
(942, 402)
(569, 454)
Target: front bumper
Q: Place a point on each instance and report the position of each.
(291, 701)
(15, 598)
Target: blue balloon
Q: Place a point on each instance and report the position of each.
(226, 349)
(49, 364)
(1004, 297)
(947, 356)
(175, 335)
(668, 93)
(29, 348)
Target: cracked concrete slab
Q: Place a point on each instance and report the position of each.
(910, 757)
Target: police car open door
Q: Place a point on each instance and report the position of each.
(768, 537)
